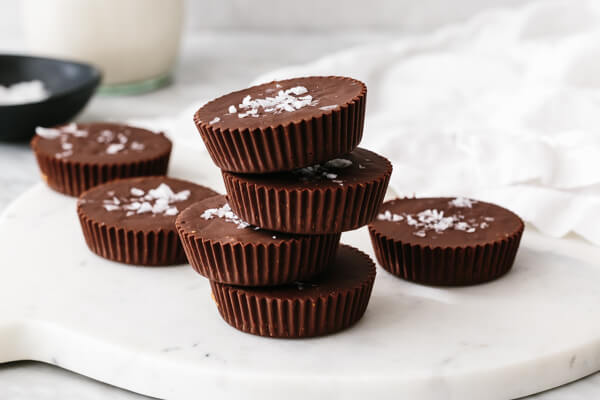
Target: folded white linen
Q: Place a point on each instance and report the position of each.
(504, 108)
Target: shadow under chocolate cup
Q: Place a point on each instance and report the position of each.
(225, 249)
(283, 125)
(340, 195)
(328, 303)
(445, 241)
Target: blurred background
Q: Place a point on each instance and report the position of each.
(309, 15)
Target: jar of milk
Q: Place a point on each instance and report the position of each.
(134, 42)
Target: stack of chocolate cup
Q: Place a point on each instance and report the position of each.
(295, 180)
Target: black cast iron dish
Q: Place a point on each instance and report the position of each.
(70, 84)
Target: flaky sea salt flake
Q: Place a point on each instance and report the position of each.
(338, 163)
(462, 202)
(226, 213)
(327, 108)
(137, 146)
(172, 211)
(144, 208)
(114, 148)
(47, 133)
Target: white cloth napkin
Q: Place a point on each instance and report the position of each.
(504, 108)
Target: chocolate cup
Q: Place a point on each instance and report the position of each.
(446, 266)
(278, 314)
(308, 209)
(89, 163)
(74, 177)
(294, 144)
(144, 239)
(154, 248)
(259, 261)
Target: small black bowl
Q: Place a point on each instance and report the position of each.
(70, 85)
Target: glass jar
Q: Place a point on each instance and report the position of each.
(134, 42)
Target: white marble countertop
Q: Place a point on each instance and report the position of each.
(211, 64)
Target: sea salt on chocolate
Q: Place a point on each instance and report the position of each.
(433, 220)
(445, 241)
(114, 148)
(264, 125)
(225, 213)
(248, 255)
(286, 100)
(458, 214)
(122, 217)
(115, 140)
(61, 132)
(158, 201)
(327, 108)
(462, 202)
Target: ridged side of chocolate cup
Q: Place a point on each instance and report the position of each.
(153, 248)
(450, 266)
(309, 210)
(269, 316)
(73, 178)
(259, 264)
(297, 144)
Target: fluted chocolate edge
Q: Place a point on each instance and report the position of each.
(446, 266)
(268, 316)
(74, 177)
(307, 210)
(152, 248)
(285, 147)
(259, 264)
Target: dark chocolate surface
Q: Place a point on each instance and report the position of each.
(326, 93)
(92, 203)
(350, 270)
(222, 230)
(498, 222)
(137, 144)
(366, 166)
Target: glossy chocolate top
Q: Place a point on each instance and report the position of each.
(360, 166)
(212, 219)
(143, 204)
(100, 143)
(445, 222)
(280, 102)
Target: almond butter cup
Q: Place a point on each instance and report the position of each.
(290, 202)
(145, 239)
(444, 260)
(88, 167)
(333, 301)
(287, 140)
(223, 251)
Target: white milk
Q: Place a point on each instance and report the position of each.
(129, 40)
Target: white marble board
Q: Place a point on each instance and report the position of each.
(156, 331)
